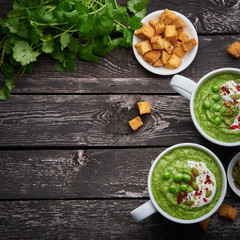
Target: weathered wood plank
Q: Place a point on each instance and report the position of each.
(119, 72)
(209, 16)
(72, 174)
(94, 120)
(101, 219)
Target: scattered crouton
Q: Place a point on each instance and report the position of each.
(182, 36)
(189, 44)
(234, 49)
(152, 56)
(145, 32)
(170, 32)
(144, 107)
(204, 224)
(165, 42)
(143, 47)
(228, 212)
(178, 22)
(159, 28)
(135, 123)
(158, 63)
(167, 16)
(173, 62)
(178, 50)
(165, 56)
(157, 42)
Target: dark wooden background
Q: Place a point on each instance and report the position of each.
(71, 167)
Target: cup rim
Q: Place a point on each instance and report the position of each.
(219, 70)
(223, 191)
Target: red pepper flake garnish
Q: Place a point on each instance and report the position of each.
(239, 118)
(204, 199)
(192, 176)
(198, 193)
(185, 195)
(235, 102)
(190, 183)
(227, 104)
(206, 189)
(208, 179)
(238, 88)
(225, 89)
(233, 127)
(179, 200)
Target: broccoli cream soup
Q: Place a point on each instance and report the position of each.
(186, 183)
(216, 107)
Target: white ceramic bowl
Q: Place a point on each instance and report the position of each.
(186, 60)
(229, 174)
(223, 191)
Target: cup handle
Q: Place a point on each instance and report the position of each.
(183, 86)
(143, 211)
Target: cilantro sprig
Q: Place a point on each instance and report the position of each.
(65, 29)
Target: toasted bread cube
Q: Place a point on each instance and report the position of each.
(228, 212)
(157, 42)
(159, 28)
(143, 47)
(178, 50)
(179, 30)
(189, 44)
(145, 32)
(152, 56)
(173, 62)
(204, 224)
(170, 32)
(153, 23)
(135, 123)
(165, 56)
(167, 45)
(167, 16)
(178, 22)
(234, 49)
(158, 63)
(182, 36)
(144, 107)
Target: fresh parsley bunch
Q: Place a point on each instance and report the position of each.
(65, 29)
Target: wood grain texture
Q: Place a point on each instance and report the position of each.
(119, 72)
(85, 174)
(101, 219)
(94, 120)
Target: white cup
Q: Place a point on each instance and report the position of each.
(151, 206)
(188, 88)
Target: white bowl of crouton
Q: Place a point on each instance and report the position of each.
(167, 43)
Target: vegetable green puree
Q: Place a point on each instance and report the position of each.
(175, 161)
(205, 117)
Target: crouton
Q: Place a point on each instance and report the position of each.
(159, 28)
(173, 62)
(178, 22)
(152, 56)
(189, 44)
(144, 107)
(182, 36)
(167, 16)
(158, 63)
(143, 47)
(234, 49)
(167, 45)
(204, 224)
(153, 23)
(157, 42)
(165, 56)
(178, 50)
(170, 33)
(228, 212)
(145, 32)
(135, 123)
(179, 30)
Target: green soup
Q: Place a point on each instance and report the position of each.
(176, 162)
(217, 110)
